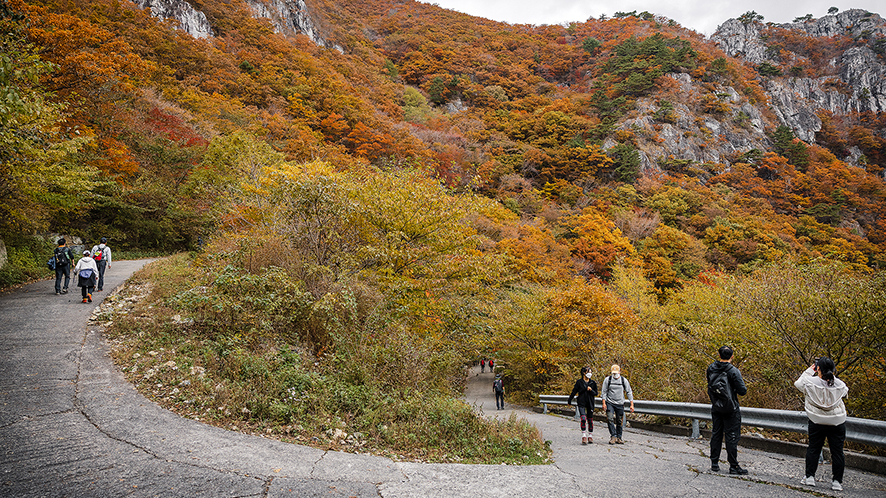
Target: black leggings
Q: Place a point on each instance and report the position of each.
(85, 291)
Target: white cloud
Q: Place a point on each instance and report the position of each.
(702, 16)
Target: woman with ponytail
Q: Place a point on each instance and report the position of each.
(827, 418)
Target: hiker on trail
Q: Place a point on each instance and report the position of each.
(491, 366)
(499, 389)
(615, 388)
(87, 272)
(101, 253)
(586, 390)
(725, 385)
(827, 418)
(63, 258)
(483, 365)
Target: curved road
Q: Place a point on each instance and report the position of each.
(71, 426)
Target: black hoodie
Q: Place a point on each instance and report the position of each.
(734, 376)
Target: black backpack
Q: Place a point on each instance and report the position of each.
(497, 385)
(61, 256)
(720, 392)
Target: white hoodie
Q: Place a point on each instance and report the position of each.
(824, 403)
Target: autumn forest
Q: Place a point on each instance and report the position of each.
(415, 188)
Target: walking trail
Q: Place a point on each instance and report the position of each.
(71, 426)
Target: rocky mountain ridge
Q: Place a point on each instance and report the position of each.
(858, 82)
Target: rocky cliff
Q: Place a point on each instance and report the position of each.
(289, 17)
(190, 20)
(857, 82)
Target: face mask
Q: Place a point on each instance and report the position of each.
(616, 376)
(588, 375)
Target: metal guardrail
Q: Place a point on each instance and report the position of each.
(862, 430)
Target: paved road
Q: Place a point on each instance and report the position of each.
(71, 426)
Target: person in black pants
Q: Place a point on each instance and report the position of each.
(726, 421)
(63, 257)
(827, 418)
(586, 390)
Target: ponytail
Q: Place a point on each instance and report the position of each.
(827, 369)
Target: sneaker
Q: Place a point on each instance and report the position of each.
(715, 467)
(65, 291)
(612, 440)
(89, 297)
(836, 486)
(619, 440)
(98, 290)
(808, 481)
(58, 293)
(590, 440)
(737, 471)
(84, 299)
(584, 440)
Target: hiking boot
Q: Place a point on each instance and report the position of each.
(613, 440)
(65, 290)
(619, 440)
(808, 481)
(98, 290)
(590, 440)
(58, 293)
(89, 297)
(584, 440)
(737, 471)
(715, 467)
(836, 486)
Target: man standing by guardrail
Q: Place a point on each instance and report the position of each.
(615, 389)
(725, 385)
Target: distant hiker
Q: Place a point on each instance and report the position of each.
(87, 272)
(63, 258)
(586, 389)
(827, 418)
(483, 365)
(499, 389)
(615, 389)
(725, 385)
(101, 253)
(491, 365)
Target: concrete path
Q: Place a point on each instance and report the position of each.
(71, 426)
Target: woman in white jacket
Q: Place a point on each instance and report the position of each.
(84, 281)
(827, 418)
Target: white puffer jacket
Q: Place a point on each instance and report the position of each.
(824, 403)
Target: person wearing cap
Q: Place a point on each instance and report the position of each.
(726, 422)
(615, 389)
(86, 271)
(101, 253)
(498, 389)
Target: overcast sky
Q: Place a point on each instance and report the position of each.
(701, 15)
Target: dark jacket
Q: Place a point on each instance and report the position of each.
(585, 397)
(736, 382)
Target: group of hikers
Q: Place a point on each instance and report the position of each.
(89, 270)
(824, 406)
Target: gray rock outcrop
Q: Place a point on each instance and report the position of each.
(190, 20)
(289, 17)
(859, 84)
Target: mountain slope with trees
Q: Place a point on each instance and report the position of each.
(411, 188)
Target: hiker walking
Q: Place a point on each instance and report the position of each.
(63, 257)
(586, 390)
(483, 365)
(615, 389)
(87, 272)
(491, 365)
(499, 389)
(725, 385)
(101, 253)
(827, 418)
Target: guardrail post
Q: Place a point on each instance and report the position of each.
(546, 407)
(696, 433)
